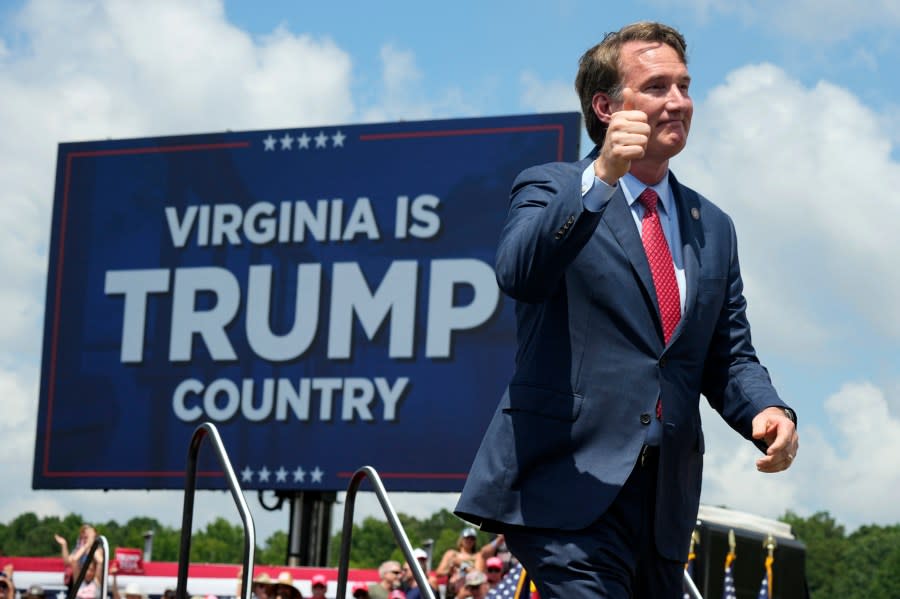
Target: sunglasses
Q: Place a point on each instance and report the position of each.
(494, 570)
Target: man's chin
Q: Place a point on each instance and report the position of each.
(670, 145)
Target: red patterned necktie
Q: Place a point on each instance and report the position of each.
(661, 265)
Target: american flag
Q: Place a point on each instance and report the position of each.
(514, 585)
(689, 571)
(728, 590)
(765, 587)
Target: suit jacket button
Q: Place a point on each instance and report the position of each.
(645, 418)
(662, 362)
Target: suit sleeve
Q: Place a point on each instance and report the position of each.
(546, 227)
(735, 383)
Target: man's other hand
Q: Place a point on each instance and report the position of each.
(778, 432)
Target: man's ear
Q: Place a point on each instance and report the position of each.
(602, 106)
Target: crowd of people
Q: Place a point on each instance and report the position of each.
(469, 572)
(463, 572)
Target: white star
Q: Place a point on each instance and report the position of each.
(303, 140)
(60, 595)
(269, 143)
(299, 474)
(316, 475)
(337, 140)
(246, 474)
(264, 475)
(286, 142)
(281, 475)
(321, 140)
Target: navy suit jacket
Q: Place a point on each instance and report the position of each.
(591, 361)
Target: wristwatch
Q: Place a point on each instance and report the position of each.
(791, 415)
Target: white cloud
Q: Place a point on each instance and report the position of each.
(807, 175)
(113, 68)
(848, 473)
(547, 96)
(808, 20)
(403, 97)
(120, 69)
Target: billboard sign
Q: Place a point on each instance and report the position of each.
(325, 296)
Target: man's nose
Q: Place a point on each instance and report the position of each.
(677, 98)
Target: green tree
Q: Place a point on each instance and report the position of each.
(862, 575)
(219, 542)
(275, 550)
(825, 545)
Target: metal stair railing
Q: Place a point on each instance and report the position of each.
(690, 587)
(401, 538)
(203, 431)
(100, 541)
(397, 528)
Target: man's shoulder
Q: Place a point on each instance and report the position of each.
(553, 170)
(695, 199)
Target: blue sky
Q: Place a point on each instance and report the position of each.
(795, 134)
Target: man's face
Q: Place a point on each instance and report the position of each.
(477, 591)
(392, 576)
(318, 590)
(494, 574)
(659, 82)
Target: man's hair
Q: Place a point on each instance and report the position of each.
(598, 68)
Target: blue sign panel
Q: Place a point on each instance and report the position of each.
(325, 296)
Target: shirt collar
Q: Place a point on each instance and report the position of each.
(632, 188)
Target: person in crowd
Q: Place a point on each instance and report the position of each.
(283, 587)
(389, 573)
(475, 585)
(319, 584)
(7, 586)
(132, 591)
(456, 563)
(359, 590)
(90, 587)
(493, 571)
(74, 562)
(397, 594)
(35, 591)
(629, 306)
(261, 586)
(495, 548)
(414, 592)
(407, 580)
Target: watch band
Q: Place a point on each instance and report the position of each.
(792, 415)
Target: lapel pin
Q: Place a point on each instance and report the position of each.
(695, 213)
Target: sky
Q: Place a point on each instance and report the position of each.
(795, 134)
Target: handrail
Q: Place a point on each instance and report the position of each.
(690, 587)
(397, 528)
(190, 485)
(89, 557)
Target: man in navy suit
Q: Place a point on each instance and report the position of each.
(629, 305)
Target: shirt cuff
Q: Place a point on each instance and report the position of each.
(595, 192)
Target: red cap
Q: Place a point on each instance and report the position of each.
(320, 579)
(494, 562)
(359, 586)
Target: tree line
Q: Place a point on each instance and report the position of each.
(861, 564)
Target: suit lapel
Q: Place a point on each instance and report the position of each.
(621, 223)
(688, 206)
